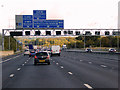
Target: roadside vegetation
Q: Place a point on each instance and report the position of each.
(12, 44)
(78, 42)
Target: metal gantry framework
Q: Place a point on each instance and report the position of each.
(59, 32)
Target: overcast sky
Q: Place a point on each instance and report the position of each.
(76, 13)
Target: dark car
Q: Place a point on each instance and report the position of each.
(32, 53)
(112, 50)
(88, 50)
(42, 57)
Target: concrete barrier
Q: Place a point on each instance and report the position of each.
(6, 53)
(97, 52)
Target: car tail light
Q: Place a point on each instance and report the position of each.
(48, 57)
(30, 53)
(60, 50)
(35, 57)
(51, 50)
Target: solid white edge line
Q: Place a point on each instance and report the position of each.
(10, 59)
(88, 86)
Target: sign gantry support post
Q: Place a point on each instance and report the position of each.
(2, 39)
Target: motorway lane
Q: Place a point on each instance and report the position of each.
(43, 76)
(11, 65)
(111, 61)
(66, 71)
(92, 73)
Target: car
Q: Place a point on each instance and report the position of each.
(26, 52)
(55, 49)
(42, 57)
(32, 53)
(112, 50)
(88, 50)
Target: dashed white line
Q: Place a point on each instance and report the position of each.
(88, 86)
(22, 64)
(70, 73)
(25, 62)
(18, 69)
(81, 60)
(11, 75)
(61, 66)
(103, 66)
(90, 62)
(57, 63)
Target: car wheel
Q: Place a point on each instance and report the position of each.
(24, 54)
(29, 56)
(51, 55)
(48, 63)
(59, 54)
(35, 63)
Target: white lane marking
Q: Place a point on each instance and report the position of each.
(10, 59)
(18, 69)
(103, 66)
(70, 73)
(11, 75)
(53, 61)
(57, 63)
(81, 60)
(25, 62)
(90, 62)
(88, 86)
(61, 66)
(22, 64)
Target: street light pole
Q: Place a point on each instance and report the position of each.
(9, 42)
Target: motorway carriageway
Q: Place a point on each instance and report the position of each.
(70, 70)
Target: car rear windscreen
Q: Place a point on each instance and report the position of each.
(41, 54)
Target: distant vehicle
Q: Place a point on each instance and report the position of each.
(31, 46)
(88, 50)
(64, 47)
(32, 53)
(112, 50)
(42, 57)
(55, 50)
(26, 52)
(49, 50)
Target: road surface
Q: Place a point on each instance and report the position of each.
(70, 70)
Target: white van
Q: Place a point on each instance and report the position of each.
(26, 52)
(55, 49)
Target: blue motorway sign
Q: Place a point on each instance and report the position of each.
(48, 23)
(39, 14)
(27, 21)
